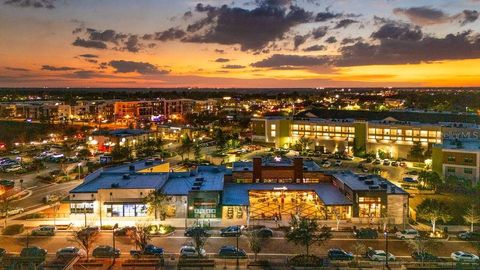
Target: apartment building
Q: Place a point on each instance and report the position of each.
(458, 158)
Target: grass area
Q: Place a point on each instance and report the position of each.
(457, 202)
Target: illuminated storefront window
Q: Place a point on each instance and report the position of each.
(126, 210)
(81, 208)
(369, 207)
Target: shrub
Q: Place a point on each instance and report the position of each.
(13, 229)
(306, 260)
(161, 229)
(106, 227)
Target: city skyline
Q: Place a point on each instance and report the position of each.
(268, 43)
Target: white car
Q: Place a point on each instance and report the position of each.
(407, 234)
(13, 168)
(462, 256)
(327, 164)
(190, 251)
(71, 251)
(379, 255)
(12, 211)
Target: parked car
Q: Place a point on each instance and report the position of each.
(395, 163)
(366, 233)
(424, 256)
(190, 251)
(326, 164)
(12, 212)
(231, 251)
(231, 231)
(195, 231)
(377, 161)
(44, 231)
(105, 252)
(71, 251)
(463, 256)
(34, 252)
(149, 250)
(386, 162)
(407, 234)
(13, 168)
(409, 180)
(472, 236)
(379, 255)
(338, 163)
(339, 254)
(402, 164)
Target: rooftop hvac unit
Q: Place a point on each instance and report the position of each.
(369, 182)
(374, 187)
(126, 176)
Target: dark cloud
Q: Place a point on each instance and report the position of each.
(17, 69)
(219, 51)
(468, 16)
(88, 55)
(99, 39)
(222, 60)
(398, 50)
(122, 66)
(53, 68)
(327, 15)
(279, 60)
(319, 32)
(170, 34)
(84, 74)
(233, 66)
(331, 39)
(187, 15)
(89, 44)
(398, 30)
(423, 15)
(299, 40)
(315, 48)
(251, 29)
(49, 4)
(344, 23)
(350, 40)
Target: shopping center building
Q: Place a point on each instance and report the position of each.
(260, 191)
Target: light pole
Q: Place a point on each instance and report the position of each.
(113, 242)
(79, 173)
(386, 249)
(186, 214)
(21, 184)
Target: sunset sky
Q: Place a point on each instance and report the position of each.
(253, 43)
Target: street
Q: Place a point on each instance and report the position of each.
(276, 246)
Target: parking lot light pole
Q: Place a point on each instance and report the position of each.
(386, 249)
(113, 241)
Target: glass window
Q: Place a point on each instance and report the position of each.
(468, 171)
(451, 158)
(432, 134)
(129, 210)
(416, 133)
(141, 210)
(408, 132)
(423, 133)
(273, 133)
(117, 210)
(351, 130)
(386, 131)
(295, 127)
(273, 127)
(450, 169)
(468, 160)
(371, 131)
(307, 127)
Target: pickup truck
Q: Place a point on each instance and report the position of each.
(149, 250)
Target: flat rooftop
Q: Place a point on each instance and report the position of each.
(247, 166)
(238, 194)
(366, 182)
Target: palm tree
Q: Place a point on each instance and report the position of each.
(157, 203)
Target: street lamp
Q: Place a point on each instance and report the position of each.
(21, 184)
(113, 242)
(186, 214)
(79, 173)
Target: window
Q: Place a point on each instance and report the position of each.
(468, 160)
(450, 169)
(451, 158)
(141, 210)
(307, 127)
(408, 132)
(129, 210)
(432, 134)
(386, 131)
(416, 133)
(273, 127)
(468, 171)
(295, 127)
(423, 133)
(117, 210)
(369, 207)
(371, 131)
(273, 133)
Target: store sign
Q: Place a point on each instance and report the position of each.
(205, 211)
(280, 188)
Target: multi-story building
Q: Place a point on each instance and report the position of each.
(389, 135)
(262, 190)
(458, 158)
(105, 140)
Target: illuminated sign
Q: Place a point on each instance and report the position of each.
(280, 188)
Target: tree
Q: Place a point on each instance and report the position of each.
(196, 151)
(86, 238)
(434, 210)
(84, 153)
(359, 249)
(199, 237)
(186, 146)
(140, 236)
(471, 216)
(430, 179)
(5, 201)
(120, 153)
(255, 241)
(422, 246)
(157, 203)
(416, 152)
(220, 139)
(307, 232)
(303, 143)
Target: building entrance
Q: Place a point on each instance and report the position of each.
(281, 205)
